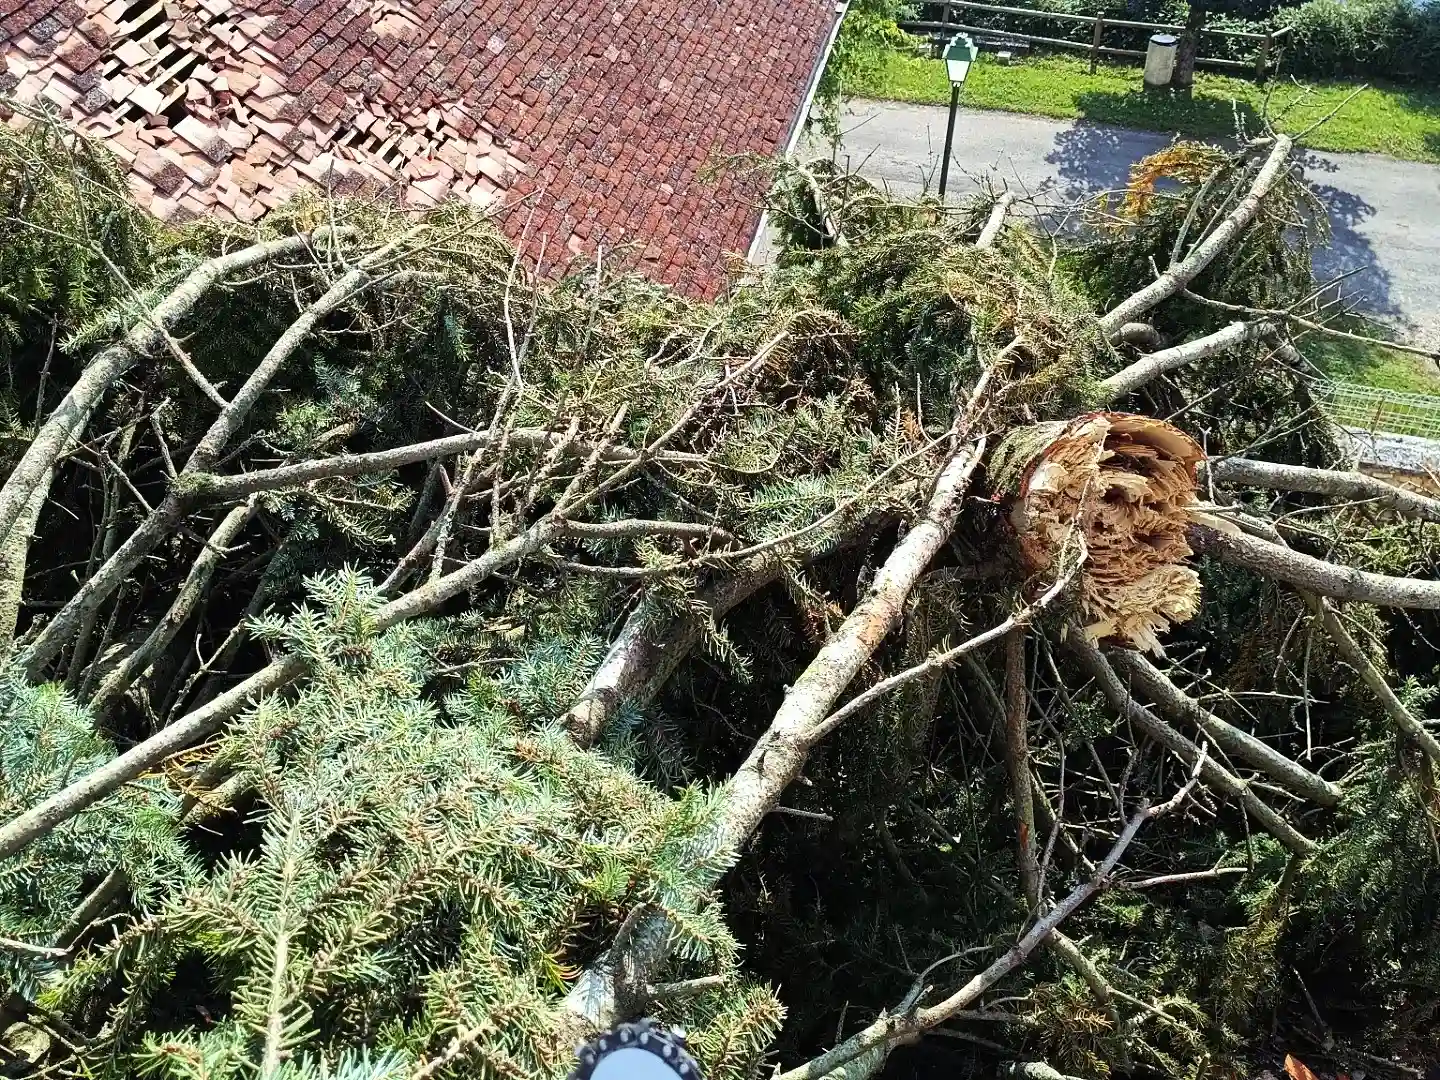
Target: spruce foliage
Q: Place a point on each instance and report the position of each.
(398, 860)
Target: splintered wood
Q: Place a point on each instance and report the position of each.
(1124, 485)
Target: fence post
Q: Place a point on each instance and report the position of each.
(1262, 65)
(1095, 42)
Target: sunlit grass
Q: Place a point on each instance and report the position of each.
(1403, 123)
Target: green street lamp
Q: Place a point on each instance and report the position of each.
(960, 53)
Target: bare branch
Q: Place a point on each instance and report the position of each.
(64, 425)
(1183, 879)
(891, 1028)
(212, 486)
(14, 557)
(944, 659)
(158, 524)
(1315, 575)
(1216, 777)
(196, 583)
(1273, 476)
(1282, 315)
(1355, 656)
(780, 752)
(631, 528)
(1017, 764)
(1152, 366)
(24, 948)
(1171, 699)
(75, 797)
(995, 222)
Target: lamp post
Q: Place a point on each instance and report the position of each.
(960, 53)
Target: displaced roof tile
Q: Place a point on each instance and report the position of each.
(464, 96)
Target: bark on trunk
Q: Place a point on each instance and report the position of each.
(14, 555)
(1247, 472)
(1183, 78)
(1132, 378)
(1316, 575)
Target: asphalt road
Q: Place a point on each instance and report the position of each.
(1384, 213)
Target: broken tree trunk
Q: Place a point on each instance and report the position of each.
(1120, 488)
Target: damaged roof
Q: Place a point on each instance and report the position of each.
(622, 123)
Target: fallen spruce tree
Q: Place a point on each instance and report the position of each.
(951, 642)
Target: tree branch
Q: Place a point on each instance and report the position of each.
(644, 655)
(1215, 776)
(780, 753)
(1152, 366)
(890, 1029)
(195, 585)
(163, 519)
(14, 557)
(1171, 699)
(1017, 764)
(1316, 575)
(219, 487)
(71, 800)
(1280, 314)
(64, 425)
(995, 222)
(1355, 656)
(1272, 476)
(944, 659)
(1180, 275)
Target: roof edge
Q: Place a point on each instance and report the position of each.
(797, 123)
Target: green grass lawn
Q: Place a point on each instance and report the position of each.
(1404, 123)
(1372, 365)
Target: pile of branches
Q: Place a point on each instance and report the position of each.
(412, 665)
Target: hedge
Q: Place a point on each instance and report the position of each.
(1386, 40)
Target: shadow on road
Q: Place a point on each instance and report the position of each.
(1090, 158)
(1348, 249)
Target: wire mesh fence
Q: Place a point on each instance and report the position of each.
(1368, 408)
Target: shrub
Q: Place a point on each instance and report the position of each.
(1387, 40)
(1372, 39)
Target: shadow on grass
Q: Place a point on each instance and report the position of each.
(1424, 102)
(1197, 117)
(1431, 139)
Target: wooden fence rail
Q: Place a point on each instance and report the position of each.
(1266, 60)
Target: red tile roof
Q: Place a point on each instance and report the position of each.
(602, 122)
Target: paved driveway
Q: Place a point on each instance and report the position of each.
(1385, 214)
